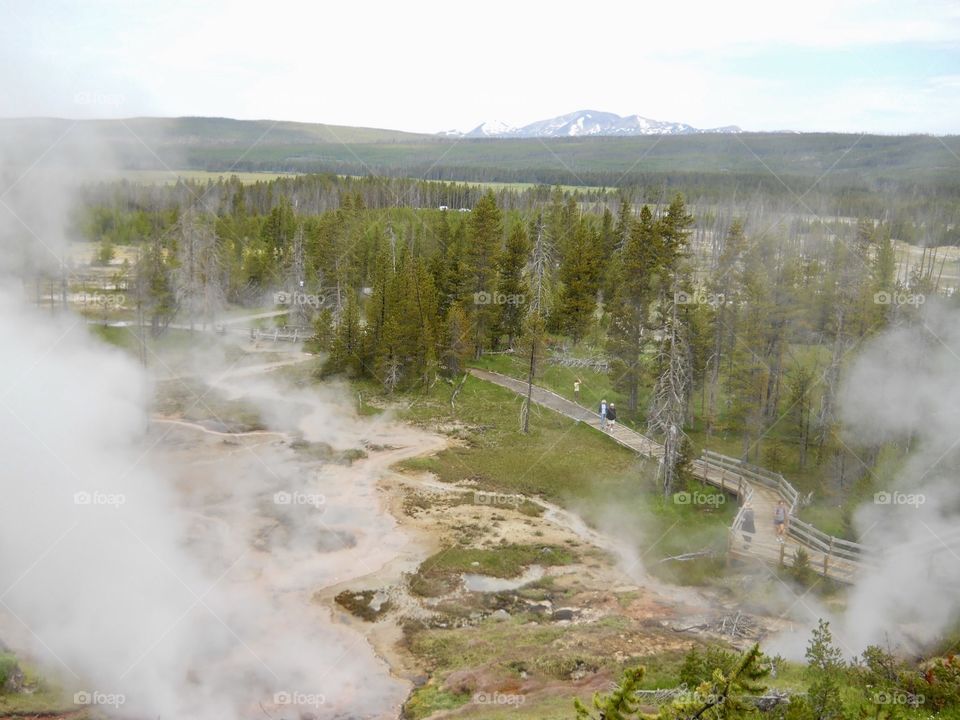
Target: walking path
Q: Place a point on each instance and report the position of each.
(763, 545)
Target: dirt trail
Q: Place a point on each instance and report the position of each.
(217, 433)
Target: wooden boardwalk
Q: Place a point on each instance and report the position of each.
(762, 489)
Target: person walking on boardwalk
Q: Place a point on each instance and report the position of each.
(612, 415)
(603, 414)
(576, 391)
(748, 528)
(780, 521)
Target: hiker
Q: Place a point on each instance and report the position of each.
(612, 415)
(748, 527)
(576, 390)
(603, 414)
(780, 521)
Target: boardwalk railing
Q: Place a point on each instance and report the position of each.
(286, 334)
(774, 481)
(738, 518)
(830, 556)
(806, 534)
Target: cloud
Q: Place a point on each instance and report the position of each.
(412, 66)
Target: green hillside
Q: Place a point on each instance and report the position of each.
(791, 160)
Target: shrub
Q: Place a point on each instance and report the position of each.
(801, 568)
(11, 677)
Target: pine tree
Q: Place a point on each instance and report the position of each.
(377, 308)
(484, 237)
(155, 298)
(456, 340)
(558, 219)
(624, 227)
(673, 232)
(347, 347)
(511, 287)
(278, 232)
(722, 696)
(580, 278)
(825, 667)
(422, 308)
(621, 704)
(630, 307)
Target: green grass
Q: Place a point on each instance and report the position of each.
(824, 511)
(35, 704)
(594, 387)
(127, 338)
(570, 464)
(503, 562)
(560, 459)
(429, 699)
(438, 574)
(197, 402)
(40, 696)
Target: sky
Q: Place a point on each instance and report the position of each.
(810, 65)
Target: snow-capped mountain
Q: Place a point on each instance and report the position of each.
(591, 122)
(492, 128)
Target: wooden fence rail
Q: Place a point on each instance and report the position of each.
(854, 555)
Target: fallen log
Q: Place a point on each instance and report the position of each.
(689, 556)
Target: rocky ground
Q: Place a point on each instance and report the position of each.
(557, 630)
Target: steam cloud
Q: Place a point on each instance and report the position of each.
(156, 574)
(904, 388)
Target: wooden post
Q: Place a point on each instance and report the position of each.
(723, 474)
(826, 558)
(783, 550)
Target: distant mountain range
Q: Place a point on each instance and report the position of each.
(588, 123)
(225, 145)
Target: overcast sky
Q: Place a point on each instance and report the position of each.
(840, 65)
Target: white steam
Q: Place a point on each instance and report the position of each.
(905, 387)
(154, 570)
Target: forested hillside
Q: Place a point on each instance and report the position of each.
(828, 173)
